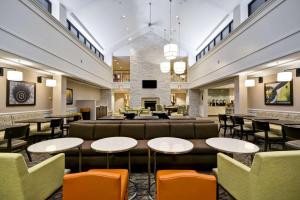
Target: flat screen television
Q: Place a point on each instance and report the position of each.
(149, 84)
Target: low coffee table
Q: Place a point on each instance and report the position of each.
(231, 145)
(58, 145)
(165, 145)
(111, 145)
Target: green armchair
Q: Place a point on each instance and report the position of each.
(273, 175)
(17, 182)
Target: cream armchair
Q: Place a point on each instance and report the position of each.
(273, 175)
(17, 182)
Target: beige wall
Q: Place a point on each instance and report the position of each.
(180, 98)
(82, 91)
(43, 93)
(119, 101)
(256, 95)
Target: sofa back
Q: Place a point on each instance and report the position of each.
(144, 130)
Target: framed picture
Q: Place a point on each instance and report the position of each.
(20, 93)
(279, 93)
(69, 96)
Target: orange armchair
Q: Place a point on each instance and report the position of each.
(104, 184)
(185, 184)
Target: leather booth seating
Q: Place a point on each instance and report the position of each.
(196, 131)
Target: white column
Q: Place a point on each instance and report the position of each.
(236, 16)
(59, 95)
(106, 99)
(240, 95)
(59, 11)
(194, 102)
(203, 103)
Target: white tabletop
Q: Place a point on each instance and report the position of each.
(114, 144)
(231, 145)
(170, 145)
(55, 145)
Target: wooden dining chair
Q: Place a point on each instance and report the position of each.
(262, 132)
(240, 128)
(16, 139)
(225, 123)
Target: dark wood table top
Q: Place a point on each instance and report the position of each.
(112, 118)
(36, 120)
(3, 127)
(60, 116)
(294, 125)
(146, 117)
(182, 117)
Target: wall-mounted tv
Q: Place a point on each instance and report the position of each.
(149, 84)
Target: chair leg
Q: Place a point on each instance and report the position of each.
(266, 145)
(247, 136)
(28, 155)
(230, 130)
(225, 128)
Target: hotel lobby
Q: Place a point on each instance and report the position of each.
(150, 99)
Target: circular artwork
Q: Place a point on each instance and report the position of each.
(21, 93)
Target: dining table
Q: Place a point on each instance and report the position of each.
(38, 121)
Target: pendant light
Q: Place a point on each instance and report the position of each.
(165, 66)
(171, 49)
(50, 82)
(179, 66)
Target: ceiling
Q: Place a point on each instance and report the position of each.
(121, 63)
(111, 22)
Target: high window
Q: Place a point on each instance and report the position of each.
(254, 5)
(222, 35)
(46, 4)
(83, 39)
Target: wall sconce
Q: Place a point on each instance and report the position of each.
(49, 81)
(250, 82)
(12, 74)
(284, 76)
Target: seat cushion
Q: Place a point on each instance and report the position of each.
(245, 129)
(205, 131)
(106, 130)
(168, 172)
(84, 131)
(135, 131)
(294, 144)
(182, 130)
(154, 130)
(200, 147)
(271, 135)
(141, 148)
(15, 144)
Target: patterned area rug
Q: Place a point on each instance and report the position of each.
(141, 179)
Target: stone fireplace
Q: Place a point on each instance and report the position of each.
(149, 102)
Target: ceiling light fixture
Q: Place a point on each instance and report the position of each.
(171, 49)
(165, 66)
(250, 83)
(179, 66)
(284, 76)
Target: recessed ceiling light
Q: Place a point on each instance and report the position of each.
(130, 38)
(123, 16)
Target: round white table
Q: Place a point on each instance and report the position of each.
(166, 145)
(111, 145)
(58, 145)
(114, 145)
(231, 145)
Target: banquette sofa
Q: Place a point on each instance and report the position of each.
(196, 131)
